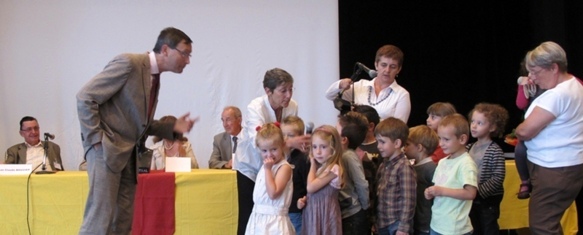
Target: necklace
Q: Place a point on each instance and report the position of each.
(383, 99)
(166, 147)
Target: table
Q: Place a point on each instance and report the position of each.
(514, 212)
(206, 202)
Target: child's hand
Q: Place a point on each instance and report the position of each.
(429, 193)
(361, 153)
(302, 202)
(523, 80)
(268, 163)
(313, 161)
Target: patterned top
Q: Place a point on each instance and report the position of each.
(396, 193)
(492, 170)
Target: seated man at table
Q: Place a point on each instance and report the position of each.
(32, 151)
(225, 143)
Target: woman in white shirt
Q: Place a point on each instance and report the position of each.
(382, 93)
(552, 131)
(272, 107)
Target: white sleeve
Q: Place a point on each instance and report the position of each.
(403, 108)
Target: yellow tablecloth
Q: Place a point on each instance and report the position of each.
(206, 203)
(514, 212)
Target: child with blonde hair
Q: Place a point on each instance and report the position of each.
(322, 212)
(455, 180)
(421, 143)
(487, 121)
(293, 126)
(273, 187)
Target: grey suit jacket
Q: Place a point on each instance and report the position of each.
(17, 155)
(222, 151)
(113, 109)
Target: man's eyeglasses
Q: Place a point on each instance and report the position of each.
(184, 54)
(29, 129)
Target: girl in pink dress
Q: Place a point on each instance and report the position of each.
(322, 212)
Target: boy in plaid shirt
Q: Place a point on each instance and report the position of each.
(396, 180)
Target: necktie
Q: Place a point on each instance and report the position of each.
(153, 93)
(234, 144)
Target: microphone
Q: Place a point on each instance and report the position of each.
(49, 135)
(309, 128)
(371, 72)
(46, 148)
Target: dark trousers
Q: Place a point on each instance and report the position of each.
(484, 215)
(245, 192)
(356, 224)
(553, 191)
(520, 159)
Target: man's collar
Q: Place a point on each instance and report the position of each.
(153, 63)
(39, 144)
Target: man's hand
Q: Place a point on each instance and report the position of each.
(302, 143)
(229, 164)
(184, 123)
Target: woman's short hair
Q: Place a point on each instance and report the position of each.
(547, 54)
(276, 77)
(390, 51)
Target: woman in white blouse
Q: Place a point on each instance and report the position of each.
(178, 147)
(382, 93)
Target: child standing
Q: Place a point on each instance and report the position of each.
(435, 113)
(322, 213)
(293, 126)
(487, 121)
(455, 180)
(273, 188)
(369, 155)
(396, 180)
(354, 198)
(421, 143)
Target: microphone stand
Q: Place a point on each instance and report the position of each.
(340, 103)
(354, 78)
(44, 164)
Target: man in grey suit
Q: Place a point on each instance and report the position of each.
(225, 144)
(32, 151)
(116, 110)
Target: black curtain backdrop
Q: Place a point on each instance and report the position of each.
(462, 52)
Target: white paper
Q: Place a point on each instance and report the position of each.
(15, 169)
(178, 164)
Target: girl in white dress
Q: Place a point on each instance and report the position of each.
(273, 188)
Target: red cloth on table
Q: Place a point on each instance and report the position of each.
(154, 204)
